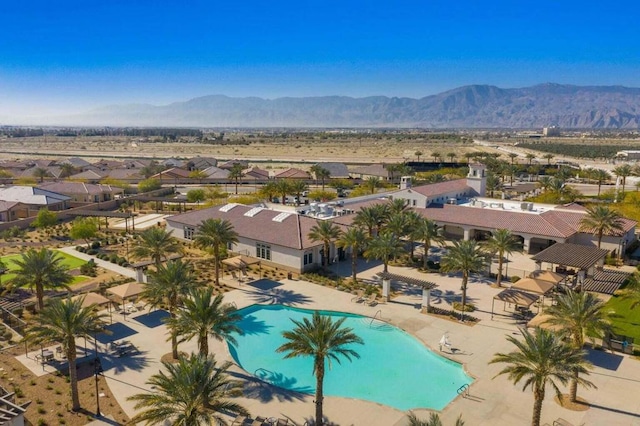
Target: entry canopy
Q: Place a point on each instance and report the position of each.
(532, 285)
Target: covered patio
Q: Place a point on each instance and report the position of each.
(572, 259)
(512, 296)
(426, 286)
(125, 292)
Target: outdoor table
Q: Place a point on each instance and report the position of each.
(45, 355)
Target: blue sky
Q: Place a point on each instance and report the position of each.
(67, 56)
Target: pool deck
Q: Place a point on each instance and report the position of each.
(491, 401)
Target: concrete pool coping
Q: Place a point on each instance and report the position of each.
(491, 402)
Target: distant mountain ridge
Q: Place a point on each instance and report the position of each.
(475, 106)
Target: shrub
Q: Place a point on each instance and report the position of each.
(469, 307)
(81, 249)
(514, 279)
(92, 252)
(95, 245)
(89, 268)
(113, 258)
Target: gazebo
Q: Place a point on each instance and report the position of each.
(126, 291)
(572, 259)
(91, 299)
(532, 285)
(550, 276)
(426, 286)
(514, 296)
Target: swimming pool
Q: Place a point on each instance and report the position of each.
(394, 368)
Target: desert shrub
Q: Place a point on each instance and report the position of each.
(514, 279)
(95, 245)
(92, 252)
(469, 307)
(89, 268)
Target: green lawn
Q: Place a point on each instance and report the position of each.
(69, 261)
(626, 321)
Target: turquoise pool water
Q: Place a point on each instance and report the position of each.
(394, 368)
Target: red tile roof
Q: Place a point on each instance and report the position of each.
(434, 189)
(292, 174)
(291, 232)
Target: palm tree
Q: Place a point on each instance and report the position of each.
(192, 392)
(269, 190)
(371, 217)
(282, 187)
(545, 182)
(469, 155)
(398, 224)
(66, 170)
(384, 246)
(203, 315)
(466, 257)
(320, 173)
(167, 287)
(41, 173)
(601, 220)
(578, 315)
(418, 154)
(502, 243)
(434, 420)
(325, 341)
(436, 156)
(530, 157)
(326, 232)
(493, 183)
(542, 360)
(513, 156)
(428, 232)
(297, 187)
(548, 157)
(623, 171)
(452, 156)
(601, 176)
(41, 269)
(355, 239)
(235, 173)
(63, 321)
(155, 243)
(372, 184)
(215, 234)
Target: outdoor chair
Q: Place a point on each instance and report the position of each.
(561, 422)
(245, 276)
(239, 420)
(371, 300)
(359, 297)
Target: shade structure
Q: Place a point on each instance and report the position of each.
(514, 296)
(240, 261)
(550, 276)
(533, 285)
(127, 290)
(91, 299)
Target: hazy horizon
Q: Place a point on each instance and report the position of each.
(69, 57)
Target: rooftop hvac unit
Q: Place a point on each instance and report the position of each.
(530, 207)
(314, 207)
(323, 208)
(524, 206)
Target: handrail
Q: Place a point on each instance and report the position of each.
(464, 390)
(234, 304)
(374, 317)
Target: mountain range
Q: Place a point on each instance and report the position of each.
(475, 106)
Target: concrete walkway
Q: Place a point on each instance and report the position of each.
(102, 263)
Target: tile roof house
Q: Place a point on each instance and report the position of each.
(373, 170)
(11, 210)
(214, 172)
(256, 173)
(276, 237)
(336, 170)
(35, 198)
(292, 173)
(83, 192)
(201, 163)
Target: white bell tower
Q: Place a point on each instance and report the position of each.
(477, 178)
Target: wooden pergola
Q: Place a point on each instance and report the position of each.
(107, 214)
(426, 286)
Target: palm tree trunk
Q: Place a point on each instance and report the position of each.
(354, 264)
(319, 390)
(465, 278)
(499, 280)
(599, 238)
(174, 335)
(216, 254)
(385, 270)
(326, 255)
(40, 295)
(537, 407)
(73, 373)
(203, 344)
(573, 388)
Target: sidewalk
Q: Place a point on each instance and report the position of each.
(102, 263)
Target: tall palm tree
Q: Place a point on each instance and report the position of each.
(66, 170)
(64, 321)
(542, 360)
(530, 157)
(601, 220)
(548, 157)
(355, 239)
(631, 292)
(192, 392)
(155, 243)
(513, 156)
(41, 269)
(384, 246)
(282, 187)
(41, 173)
(493, 183)
(324, 340)
(578, 315)
(434, 420)
(202, 315)
(413, 219)
(269, 190)
(418, 154)
(168, 287)
(297, 187)
(623, 171)
(502, 242)
(326, 232)
(601, 176)
(215, 234)
(436, 156)
(235, 173)
(429, 233)
(372, 184)
(398, 223)
(320, 173)
(371, 217)
(466, 257)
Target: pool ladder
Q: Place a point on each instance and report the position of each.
(464, 390)
(375, 316)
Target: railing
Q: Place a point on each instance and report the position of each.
(464, 390)
(374, 317)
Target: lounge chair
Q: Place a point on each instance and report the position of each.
(236, 276)
(359, 297)
(239, 420)
(371, 300)
(561, 422)
(282, 422)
